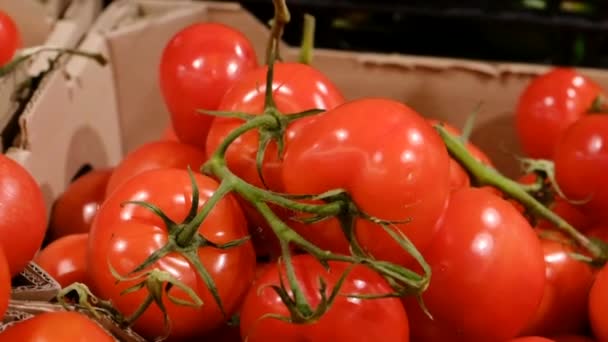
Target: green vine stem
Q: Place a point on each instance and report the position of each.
(488, 176)
(281, 18)
(25, 55)
(308, 39)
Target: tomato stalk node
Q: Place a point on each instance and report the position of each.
(87, 300)
(489, 176)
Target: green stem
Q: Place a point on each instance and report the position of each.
(488, 176)
(140, 310)
(308, 40)
(281, 18)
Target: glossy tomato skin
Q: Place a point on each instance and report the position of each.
(74, 209)
(598, 305)
(61, 326)
(5, 284)
(197, 66)
(581, 161)
(169, 134)
(572, 338)
(65, 259)
(389, 159)
(549, 104)
(296, 87)
(347, 319)
(10, 38)
(22, 214)
(488, 272)
(155, 155)
(126, 235)
(563, 309)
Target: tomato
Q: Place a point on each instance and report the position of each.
(22, 214)
(155, 155)
(197, 66)
(65, 259)
(598, 232)
(572, 338)
(563, 308)
(459, 178)
(598, 305)
(531, 339)
(388, 158)
(296, 88)
(73, 211)
(169, 134)
(548, 105)
(581, 161)
(124, 236)
(347, 319)
(10, 38)
(488, 272)
(5, 284)
(61, 326)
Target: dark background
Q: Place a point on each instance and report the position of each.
(537, 31)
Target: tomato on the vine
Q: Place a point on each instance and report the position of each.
(155, 155)
(22, 214)
(10, 38)
(296, 88)
(65, 259)
(74, 209)
(598, 305)
(61, 326)
(391, 162)
(169, 134)
(125, 235)
(488, 272)
(563, 308)
(572, 338)
(197, 66)
(531, 339)
(5, 283)
(581, 161)
(549, 105)
(347, 319)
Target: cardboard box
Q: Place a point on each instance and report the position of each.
(33, 283)
(21, 310)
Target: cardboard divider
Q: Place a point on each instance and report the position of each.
(34, 283)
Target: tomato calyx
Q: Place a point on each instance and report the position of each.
(489, 176)
(26, 54)
(82, 295)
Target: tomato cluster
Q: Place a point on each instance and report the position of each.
(274, 199)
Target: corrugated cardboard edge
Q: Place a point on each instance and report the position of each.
(29, 309)
(36, 284)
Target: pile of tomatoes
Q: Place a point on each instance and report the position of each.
(230, 251)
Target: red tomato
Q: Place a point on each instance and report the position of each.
(581, 161)
(488, 272)
(22, 214)
(347, 319)
(599, 232)
(549, 104)
(73, 211)
(197, 66)
(598, 305)
(65, 259)
(155, 155)
(125, 236)
(459, 178)
(10, 38)
(169, 134)
(5, 284)
(563, 308)
(388, 158)
(531, 339)
(572, 338)
(296, 88)
(61, 326)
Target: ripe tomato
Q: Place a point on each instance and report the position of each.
(388, 158)
(598, 232)
(563, 308)
(572, 338)
(5, 284)
(488, 272)
(73, 211)
(61, 326)
(65, 259)
(598, 305)
(581, 161)
(296, 88)
(459, 178)
(550, 103)
(531, 339)
(22, 214)
(169, 134)
(10, 38)
(348, 319)
(197, 66)
(125, 236)
(155, 155)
